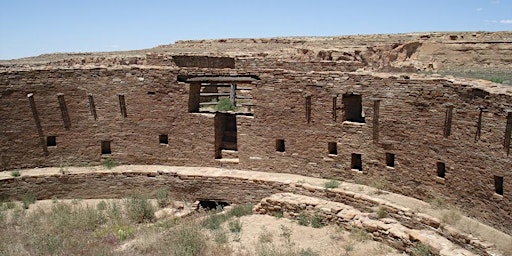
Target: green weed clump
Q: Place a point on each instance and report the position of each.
(163, 198)
(421, 250)
(382, 212)
(109, 163)
(188, 240)
(139, 209)
(16, 173)
(240, 210)
(224, 105)
(28, 199)
(331, 184)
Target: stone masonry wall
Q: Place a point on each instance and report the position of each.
(411, 122)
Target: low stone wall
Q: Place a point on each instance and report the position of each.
(388, 230)
(337, 205)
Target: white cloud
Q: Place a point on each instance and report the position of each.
(495, 1)
(509, 21)
(479, 9)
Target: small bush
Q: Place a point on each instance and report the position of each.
(213, 221)
(163, 198)
(421, 250)
(240, 210)
(286, 233)
(332, 184)
(438, 203)
(277, 214)
(101, 206)
(188, 240)
(382, 212)
(139, 209)
(220, 236)
(265, 236)
(498, 80)
(303, 219)
(109, 163)
(308, 252)
(224, 105)
(451, 216)
(235, 226)
(15, 173)
(28, 199)
(316, 221)
(359, 234)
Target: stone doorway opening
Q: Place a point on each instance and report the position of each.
(225, 136)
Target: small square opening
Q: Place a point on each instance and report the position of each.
(356, 162)
(163, 139)
(333, 148)
(51, 141)
(390, 160)
(280, 145)
(498, 185)
(441, 170)
(105, 147)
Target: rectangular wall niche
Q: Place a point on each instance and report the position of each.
(333, 148)
(163, 139)
(498, 185)
(390, 160)
(225, 133)
(280, 145)
(353, 108)
(356, 163)
(105, 147)
(51, 141)
(441, 170)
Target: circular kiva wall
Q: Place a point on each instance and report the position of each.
(424, 138)
(342, 205)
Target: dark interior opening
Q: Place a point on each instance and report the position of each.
(390, 160)
(441, 170)
(333, 148)
(51, 141)
(211, 205)
(163, 139)
(151, 93)
(353, 108)
(105, 147)
(498, 184)
(356, 163)
(280, 145)
(225, 133)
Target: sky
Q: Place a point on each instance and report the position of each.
(34, 27)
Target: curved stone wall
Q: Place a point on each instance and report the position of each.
(427, 127)
(340, 205)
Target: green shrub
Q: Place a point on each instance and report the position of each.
(240, 210)
(220, 236)
(303, 219)
(101, 206)
(188, 240)
(109, 163)
(139, 209)
(382, 212)
(15, 173)
(235, 226)
(28, 199)
(286, 233)
(316, 221)
(359, 234)
(308, 252)
(332, 184)
(213, 221)
(498, 80)
(421, 250)
(163, 198)
(224, 105)
(265, 236)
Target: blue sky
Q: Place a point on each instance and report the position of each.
(33, 27)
